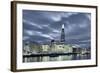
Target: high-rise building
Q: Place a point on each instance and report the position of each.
(62, 40)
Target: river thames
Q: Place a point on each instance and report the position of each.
(57, 58)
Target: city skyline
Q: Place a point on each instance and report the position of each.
(43, 26)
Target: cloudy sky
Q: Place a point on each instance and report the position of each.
(43, 26)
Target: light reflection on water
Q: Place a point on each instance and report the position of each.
(58, 58)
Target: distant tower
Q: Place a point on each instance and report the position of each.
(62, 40)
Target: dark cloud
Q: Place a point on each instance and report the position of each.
(43, 26)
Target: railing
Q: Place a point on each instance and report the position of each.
(48, 54)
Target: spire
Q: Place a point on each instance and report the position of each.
(62, 34)
(62, 26)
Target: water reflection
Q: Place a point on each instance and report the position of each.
(57, 58)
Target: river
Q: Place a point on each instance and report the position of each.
(57, 58)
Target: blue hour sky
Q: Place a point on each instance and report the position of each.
(44, 26)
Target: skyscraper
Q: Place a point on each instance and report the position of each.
(62, 40)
